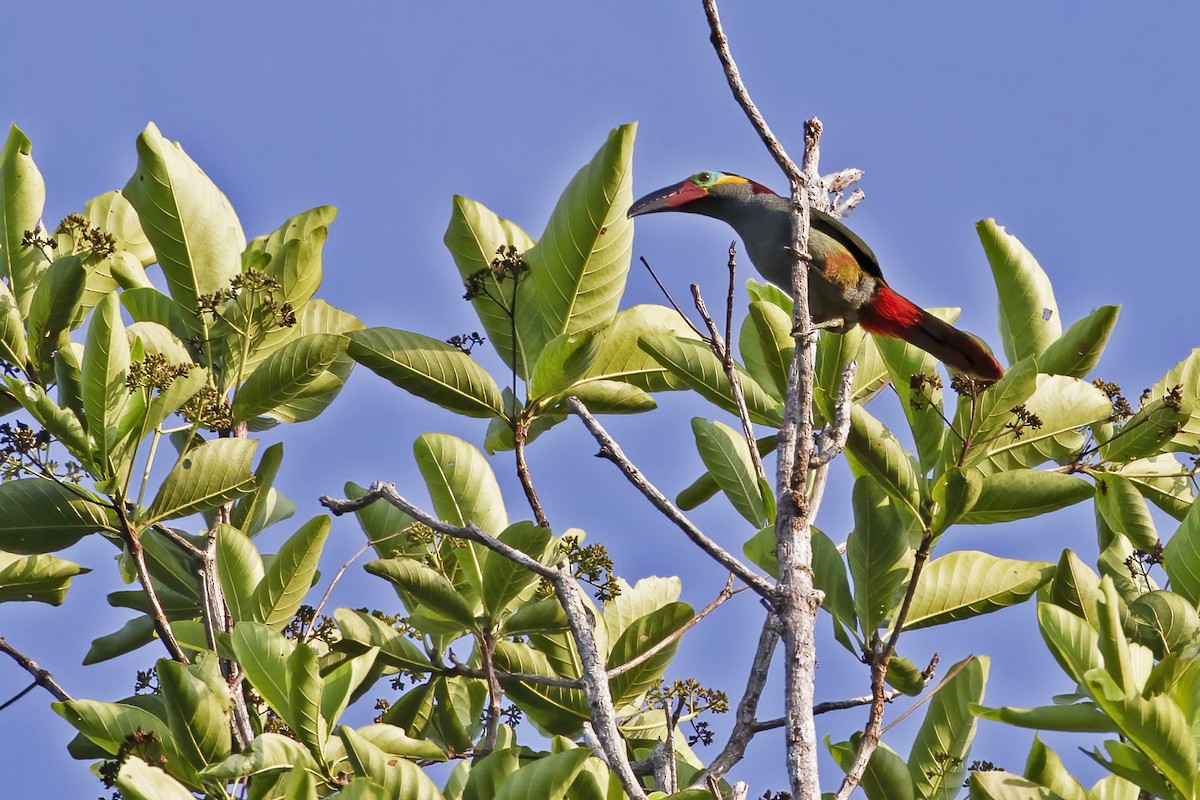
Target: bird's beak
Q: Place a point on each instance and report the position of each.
(668, 199)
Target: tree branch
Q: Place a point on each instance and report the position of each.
(610, 450)
(520, 434)
(41, 677)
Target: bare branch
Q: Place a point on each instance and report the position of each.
(826, 707)
(610, 450)
(541, 680)
(41, 677)
(670, 299)
(833, 438)
(305, 635)
(744, 724)
(842, 180)
(725, 594)
(519, 436)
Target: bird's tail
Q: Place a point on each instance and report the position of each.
(891, 314)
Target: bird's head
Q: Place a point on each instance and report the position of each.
(703, 193)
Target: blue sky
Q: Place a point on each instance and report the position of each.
(1069, 123)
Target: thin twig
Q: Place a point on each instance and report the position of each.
(307, 634)
(826, 707)
(731, 372)
(833, 439)
(161, 624)
(178, 540)
(670, 299)
(458, 669)
(610, 450)
(520, 434)
(675, 636)
(41, 677)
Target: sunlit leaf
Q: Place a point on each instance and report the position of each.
(938, 760)
(205, 477)
(41, 516)
(1029, 319)
(967, 583)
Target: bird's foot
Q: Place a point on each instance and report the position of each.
(836, 324)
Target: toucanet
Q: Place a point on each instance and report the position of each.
(846, 287)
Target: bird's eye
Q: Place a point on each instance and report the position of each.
(704, 177)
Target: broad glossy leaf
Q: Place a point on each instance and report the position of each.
(108, 725)
(692, 363)
(61, 423)
(1123, 508)
(642, 635)
(578, 267)
(188, 221)
(105, 364)
(1076, 588)
(1024, 493)
(22, 195)
(1167, 622)
(240, 571)
(1163, 481)
(874, 450)
(994, 407)
(197, 715)
(474, 237)
(1001, 785)
(726, 454)
(955, 492)
(968, 583)
(704, 487)
(1146, 432)
(503, 580)
(384, 525)
(318, 317)
(286, 373)
(263, 505)
(886, 776)
(395, 649)
(634, 602)
(398, 778)
(1181, 557)
(393, 741)
(205, 477)
(14, 347)
(135, 633)
(54, 308)
(112, 213)
(1130, 763)
(304, 688)
(430, 369)
(548, 778)
(490, 772)
(1045, 768)
(938, 759)
(1076, 352)
(879, 554)
(263, 655)
(1071, 640)
(41, 516)
(609, 397)
(40, 578)
(461, 482)
(539, 616)
(553, 709)
(767, 346)
(1029, 319)
(563, 361)
(267, 752)
(151, 305)
(294, 254)
(290, 574)
(138, 780)
(430, 591)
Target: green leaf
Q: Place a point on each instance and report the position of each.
(294, 254)
(1029, 319)
(1124, 510)
(198, 716)
(240, 571)
(1076, 588)
(1181, 556)
(767, 347)
(304, 688)
(318, 317)
(552, 709)
(430, 369)
(39, 578)
(873, 450)
(384, 525)
(41, 516)
(290, 574)
(393, 741)
(490, 772)
(268, 752)
(505, 581)
(263, 506)
(726, 454)
(1146, 432)
(1129, 762)
(286, 373)
(1001, 785)
(134, 634)
(1157, 726)
(1074, 643)
(105, 363)
(395, 649)
(967, 583)
(1045, 768)
(609, 397)
(1076, 352)
(538, 616)
(461, 482)
(1167, 623)
(886, 776)
(694, 365)
(397, 777)
(1163, 481)
(429, 590)
(642, 635)
(22, 196)
(937, 762)
(263, 655)
(879, 554)
(14, 347)
(188, 221)
(1186, 375)
(1024, 493)
(61, 423)
(205, 477)
(634, 602)
(562, 362)
(54, 308)
(150, 305)
(108, 725)
(112, 213)
(138, 780)
(474, 237)
(704, 487)
(548, 778)
(578, 267)
(956, 492)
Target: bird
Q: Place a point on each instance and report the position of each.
(846, 287)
